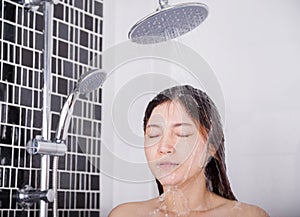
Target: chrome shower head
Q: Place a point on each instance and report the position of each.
(168, 22)
(88, 82)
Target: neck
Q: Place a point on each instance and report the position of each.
(187, 196)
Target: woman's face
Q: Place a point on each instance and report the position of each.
(174, 147)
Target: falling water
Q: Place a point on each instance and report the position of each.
(162, 26)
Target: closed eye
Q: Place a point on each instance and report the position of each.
(153, 136)
(153, 131)
(183, 135)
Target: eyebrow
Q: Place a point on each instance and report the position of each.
(153, 125)
(174, 125)
(182, 124)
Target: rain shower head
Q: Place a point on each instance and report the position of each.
(168, 22)
(88, 82)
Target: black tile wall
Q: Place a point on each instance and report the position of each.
(77, 37)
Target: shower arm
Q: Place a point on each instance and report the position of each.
(163, 4)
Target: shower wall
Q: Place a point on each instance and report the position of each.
(77, 47)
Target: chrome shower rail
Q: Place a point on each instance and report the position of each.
(45, 159)
(28, 195)
(48, 12)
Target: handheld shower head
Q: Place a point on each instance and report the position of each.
(168, 22)
(88, 82)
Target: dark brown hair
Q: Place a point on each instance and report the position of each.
(203, 110)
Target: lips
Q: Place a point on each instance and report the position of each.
(167, 164)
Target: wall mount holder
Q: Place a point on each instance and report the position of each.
(35, 4)
(40, 146)
(27, 196)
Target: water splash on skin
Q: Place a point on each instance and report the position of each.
(237, 205)
(179, 206)
(190, 165)
(179, 203)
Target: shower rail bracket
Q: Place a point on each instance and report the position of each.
(40, 146)
(28, 195)
(35, 4)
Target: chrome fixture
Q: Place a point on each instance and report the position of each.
(88, 82)
(168, 22)
(47, 84)
(47, 56)
(42, 144)
(35, 4)
(46, 147)
(27, 196)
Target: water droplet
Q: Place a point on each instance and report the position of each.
(162, 197)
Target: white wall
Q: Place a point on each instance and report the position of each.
(253, 48)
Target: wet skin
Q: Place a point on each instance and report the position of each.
(174, 147)
(176, 150)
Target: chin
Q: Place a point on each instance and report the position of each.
(171, 180)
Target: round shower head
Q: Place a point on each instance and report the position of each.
(168, 22)
(90, 81)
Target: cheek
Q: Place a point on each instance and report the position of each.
(200, 156)
(151, 157)
(187, 148)
(149, 152)
(192, 155)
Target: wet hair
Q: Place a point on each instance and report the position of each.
(204, 112)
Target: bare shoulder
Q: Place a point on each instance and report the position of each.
(133, 209)
(245, 210)
(125, 209)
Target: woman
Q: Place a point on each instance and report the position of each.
(184, 146)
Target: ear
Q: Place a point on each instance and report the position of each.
(206, 157)
(211, 150)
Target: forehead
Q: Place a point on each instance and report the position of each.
(171, 112)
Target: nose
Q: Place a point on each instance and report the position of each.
(166, 145)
